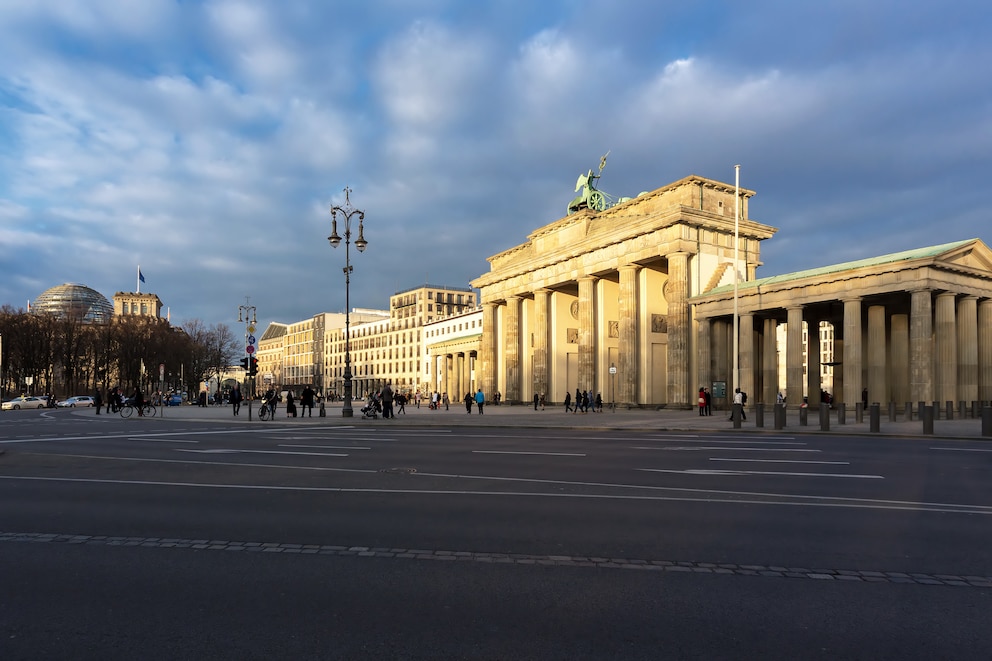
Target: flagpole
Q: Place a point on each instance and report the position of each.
(138, 279)
(737, 217)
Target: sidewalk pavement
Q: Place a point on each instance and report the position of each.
(639, 419)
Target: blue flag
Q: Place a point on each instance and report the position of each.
(141, 276)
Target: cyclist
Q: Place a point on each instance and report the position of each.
(270, 401)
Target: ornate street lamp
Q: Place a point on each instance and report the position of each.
(347, 211)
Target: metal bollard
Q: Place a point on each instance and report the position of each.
(735, 415)
(779, 416)
(892, 411)
(949, 407)
(975, 411)
(804, 416)
(842, 414)
(824, 418)
(874, 414)
(323, 412)
(987, 421)
(859, 413)
(759, 415)
(249, 410)
(909, 411)
(927, 417)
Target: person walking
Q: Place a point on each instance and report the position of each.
(568, 401)
(468, 402)
(585, 401)
(578, 401)
(480, 400)
(599, 403)
(740, 398)
(306, 401)
(400, 400)
(236, 399)
(701, 401)
(98, 401)
(536, 398)
(444, 398)
(387, 402)
(139, 401)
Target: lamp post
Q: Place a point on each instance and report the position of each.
(246, 313)
(347, 212)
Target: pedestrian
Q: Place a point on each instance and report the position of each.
(709, 401)
(536, 398)
(387, 401)
(236, 399)
(701, 401)
(578, 401)
(498, 398)
(568, 401)
(139, 401)
(585, 401)
(864, 399)
(740, 398)
(290, 406)
(306, 401)
(444, 398)
(599, 402)
(400, 400)
(468, 402)
(542, 401)
(480, 399)
(98, 401)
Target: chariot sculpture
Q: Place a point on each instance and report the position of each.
(591, 197)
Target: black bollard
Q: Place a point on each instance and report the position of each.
(909, 411)
(824, 418)
(987, 421)
(892, 411)
(779, 416)
(949, 407)
(759, 415)
(804, 416)
(874, 415)
(842, 414)
(927, 417)
(735, 415)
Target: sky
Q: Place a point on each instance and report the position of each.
(206, 141)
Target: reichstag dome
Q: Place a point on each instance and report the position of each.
(72, 300)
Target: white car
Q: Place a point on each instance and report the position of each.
(24, 403)
(78, 400)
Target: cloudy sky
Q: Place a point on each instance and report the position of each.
(206, 140)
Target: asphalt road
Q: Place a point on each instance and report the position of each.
(177, 538)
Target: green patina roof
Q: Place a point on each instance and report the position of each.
(905, 255)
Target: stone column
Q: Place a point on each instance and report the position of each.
(875, 356)
(967, 350)
(921, 347)
(794, 356)
(813, 384)
(458, 389)
(587, 333)
(721, 352)
(627, 367)
(899, 358)
(769, 363)
(704, 354)
(745, 347)
(485, 364)
(511, 349)
(838, 392)
(433, 373)
(985, 350)
(852, 366)
(946, 339)
(446, 374)
(541, 343)
(678, 329)
(467, 374)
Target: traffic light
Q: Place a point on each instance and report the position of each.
(244, 364)
(252, 366)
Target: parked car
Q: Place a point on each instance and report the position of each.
(24, 403)
(78, 400)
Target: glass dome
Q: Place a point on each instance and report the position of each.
(74, 300)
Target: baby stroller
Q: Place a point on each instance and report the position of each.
(372, 409)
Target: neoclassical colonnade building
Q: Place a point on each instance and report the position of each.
(606, 289)
(636, 302)
(908, 327)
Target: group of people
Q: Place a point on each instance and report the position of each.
(478, 398)
(704, 402)
(307, 398)
(583, 402)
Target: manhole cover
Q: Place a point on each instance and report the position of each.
(399, 471)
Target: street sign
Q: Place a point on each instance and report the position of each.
(249, 349)
(251, 329)
(252, 340)
(613, 369)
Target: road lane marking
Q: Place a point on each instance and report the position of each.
(784, 461)
(720, 440)
(544, 454)
(239, 451)
(717, 471)
(711, 448)
(964, 449)
(325, 447)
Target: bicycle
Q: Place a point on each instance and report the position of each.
(266, 410)
(147, 410)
